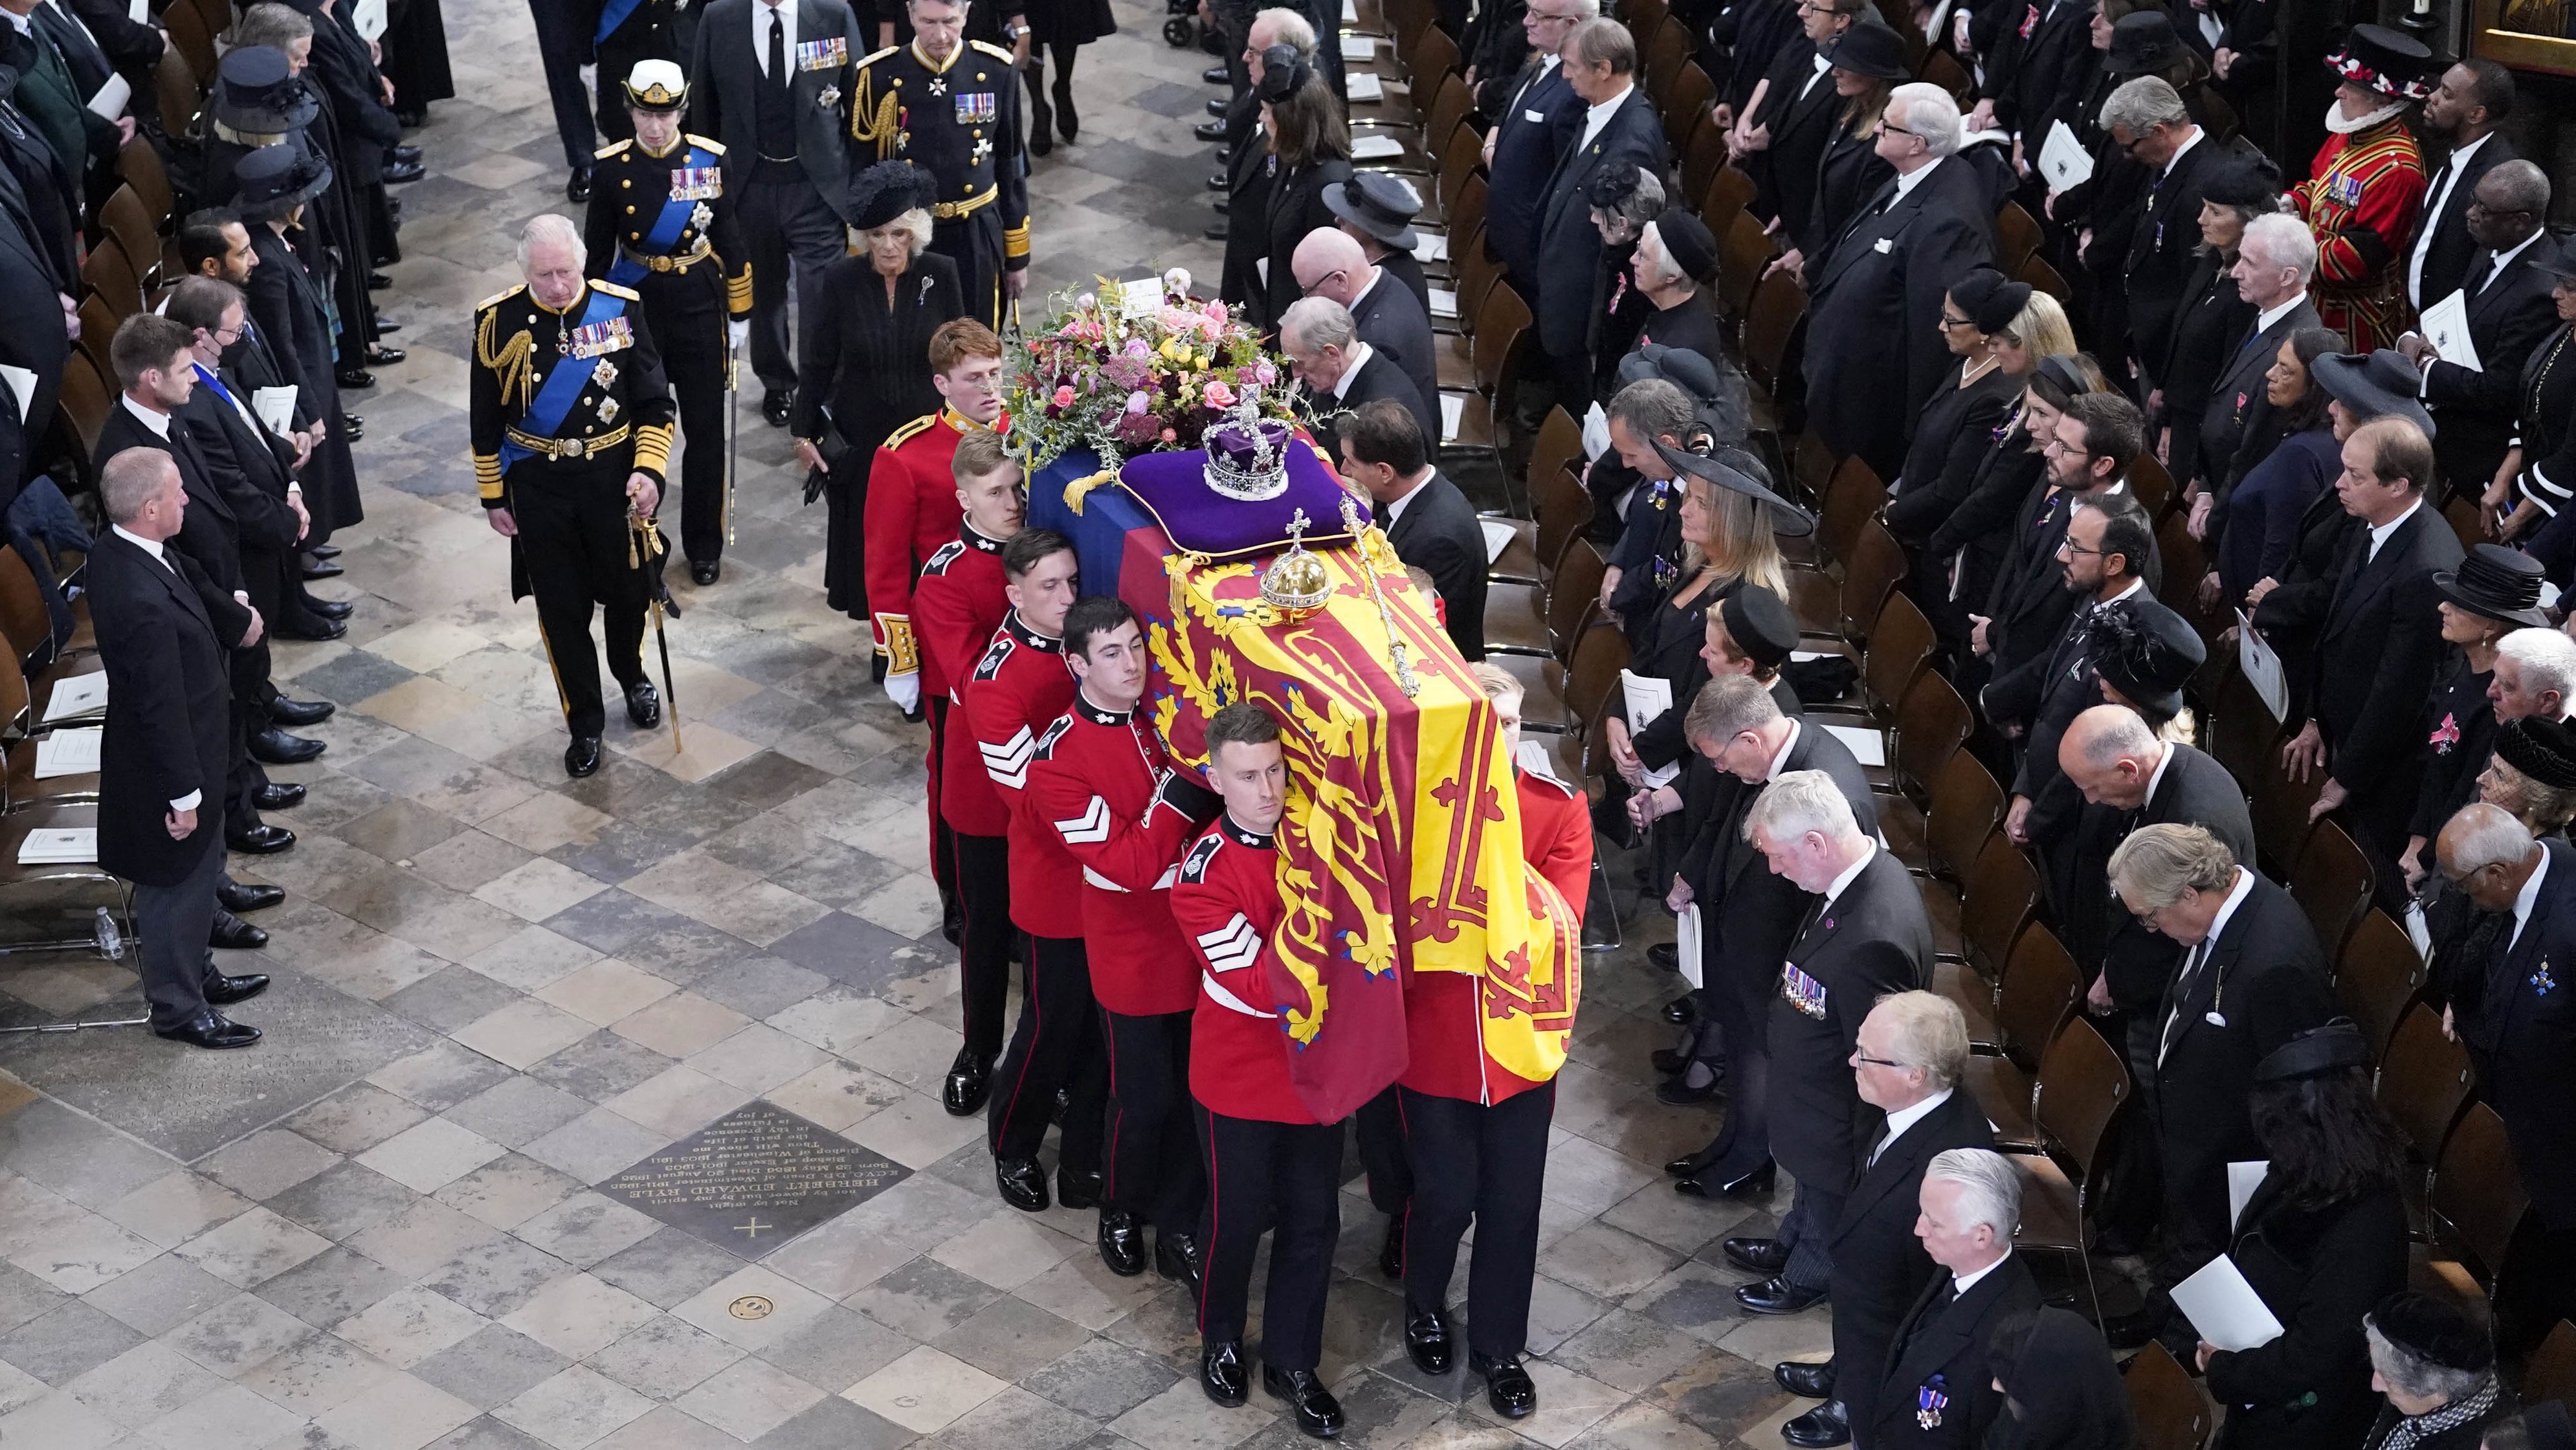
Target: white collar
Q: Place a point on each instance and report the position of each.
(1782, 757)
(2264, 319)
(1904, 1118)
(1395, 507)
(2528, 896)
(158, 422)
(1548, 62)
(2379, 532)
(1593, 116)
(2461, 153)
(1851, 873)
(2156, 777)
(2188, 142)
(1962, 1283)
(26, 23)
(1360, 353)
(2236, 895)
(1377, 274)
(2505, 259)
(761, 10)
(153, 548)
(1908, 180)
(2134, 586)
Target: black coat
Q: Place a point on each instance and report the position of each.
(2531, 1017)
(209, 533)
(251, 468)
(1848, 172)
(1294, 207)
(2264, 983)
(2161, 254)
(2454, 251)
(2373, 666)
(31, 298)
(169, 709)
(1394, 322)
(2045, 53)
(1800, 117)
(1872, 940)
(2028, 605)
(1247, 194)
(2455, 736)
(867, 360)
(1880, 1268)
(1438, 533)
(1568, 258)
(1951, 436)
(285, 303)
(2002, 483)
(1528, 140)
(1688, 325)
(2195, 791)
(2208, 321)
(2292, 614)
(1874, 349)
(2318, 1270)
(1379, 380)
(1941, 1349)
(723, 104)
(2474, 411)
(1406, 268)
(2238, 407)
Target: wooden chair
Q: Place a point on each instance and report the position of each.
(19, 787)
(109, 272)
(1563, 506)
(2424, 1082)
(186, 26)
(1667, 50)
(2332, 883)
(1449, 110)
(1743, 251)
(2017, 237)
(1565, 698)
(2551, 1372)
(1770, 326)
(2042, 277)
(2478, 1202)
(177, 92)
(2171, 1409)
(2039, 992)
(2082, 1086)
(26, 622)
(2000, 898)
(1685, 104)
(1724, 198)
(2378, 976)
(1966, 807)
(1931, 724)
(139, 166)
(1434, 55)
(1877, 566)
(1900, 645)
(1502, 331)
(98, 329)
(2241, 730)
(1943, 70)
(2279, 808)
(135, 231)
(85, 398)
(2186, 563)
(1524, 619)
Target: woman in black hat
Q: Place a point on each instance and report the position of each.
(2322, 1240)
(1625, 201)
(1868, 61)
(1952, 432)
(288, 304)
(1310, 149)
(2436, 1368)
(2531, 774)
(2282, 473)
(864, 364)
(2061, 1389)
(2213, 313)
(2493, 592)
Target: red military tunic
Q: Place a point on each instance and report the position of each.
(1100, 780)
(956, 606)
(912, 513)
(1443, 1011)
(1020, 687)
(2361, 200)
(1227, 905)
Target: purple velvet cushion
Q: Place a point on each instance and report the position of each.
(1199, 520)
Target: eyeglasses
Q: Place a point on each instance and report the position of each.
(1541, 17)
(2482, 207)
(1948, 322)
(1899, 130)
(1865, 1060)
(2059, 445)
(2072, 549)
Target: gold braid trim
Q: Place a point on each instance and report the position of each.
(876, 121)
(653, 447)
(515, 365)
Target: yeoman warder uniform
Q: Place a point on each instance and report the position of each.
(2363, 191)
(956, 605)
(567, 404)
(959, 120)
(663, 226)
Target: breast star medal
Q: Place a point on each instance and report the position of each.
(603, 372)
(608, 410)
(701, 215)
(939, 85)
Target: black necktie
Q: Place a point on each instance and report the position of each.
(2182, 996)
(777, 49)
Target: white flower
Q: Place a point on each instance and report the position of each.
(1177, 280)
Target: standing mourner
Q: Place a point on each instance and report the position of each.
(2366, 185)
(948, 105)
(629, 33)
(571, 426)
(661, 224)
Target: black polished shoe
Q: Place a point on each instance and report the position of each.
(1507, 1385)
(1209, 131)
(1756, 1255)
(1663, 956)
(1319, 1415)
(278, 795)
(775, 405)
(260, 840)
(1217, 230)
(1426, 1340)
(1077, 1190)
(970, 1081)
(300, 712)
(1390, 1255)
(643, 705)
(1217, 109)
(385, 328)
(382, 356)
(1220, 182)
(1122, 1242)
(1681, 1011)
(210, 1028)
(705, 571)
(581, 757)
(1688, 1165)
(1216, 75)
(1221, 1373)
(577, 189)
(1756, 1184)
(1813, 1379)
(313, 629)
(1680, 1093)
(323, 569)
(378, 282)
(324, 551)
(355, 378)
(402, 151)
(327, 608)
(1176, 1257)
(223, 991)
(1778, 1296)
(234, 935)
(274, 746)
(1220, 205)
(1041, 138)
(1825, 1425)
(1022, 1183)
(248, 896)
(395, 173)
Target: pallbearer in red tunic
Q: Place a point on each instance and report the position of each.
(956, 605)
(1270, 1164)
(1476, 1131)
(1019, 692)
(1122, 812)
(2366, 186)
(912, 513)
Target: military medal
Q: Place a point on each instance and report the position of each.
(608, 410)
(1802, 991)
(595, 338)
(939, 85)
(697, 183)
(975, 108)
(829, 98)
(2542, 983)
(821, 54)
(700, 215)
(983, 148)
(1929, 1401)
(603, 372)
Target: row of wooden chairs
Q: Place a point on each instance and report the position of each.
(46, 906)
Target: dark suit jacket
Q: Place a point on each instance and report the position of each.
(251, 468)
(169, 708)
(347, 74)
(1438, 532)
(1880, 1268)
(2531, 1075)
(1874, 349)
(2067, 688)
(722, 103)
(1527, 142)
(2237, 408)
(209, 534)
(2475, 411)
(2046, 51)
(2027, 606)
(2195, 791)
(1569, 245)
(1406, 268)
(1379, 380)
(2206, 326)
(1393, 321)
(2264, 983)
(2454, 251)
(1848, 171)
(2161, 250)
(1871, 940)
(1294, 207)
(1941, 1346)
(286, 303)
(1801, 120)
(30, 298)
(1248, 195)
(2375, 657)
(52, 96)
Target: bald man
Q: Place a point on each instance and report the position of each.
(1330, 263)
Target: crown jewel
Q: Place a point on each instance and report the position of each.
(1296, 582)
(1248, 455)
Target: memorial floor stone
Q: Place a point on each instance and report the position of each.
(754, 1179)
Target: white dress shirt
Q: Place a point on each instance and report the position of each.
(1356, 359)
(2452, 171)
(1395, 509)
(152, 418)
(1904, 1118)
(2526, 898)
(2379, 532)
(1599, 116)
(1782, 757)
(190, 801)
(1908, 180)
(1851, 873)
(1961, 1283)
(2264, 319)
(761, 10)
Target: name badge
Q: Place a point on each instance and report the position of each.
(1883, 245)
(975, 108)
(1537, 117)
(1802, 991)
(595, 339)
(822, 54)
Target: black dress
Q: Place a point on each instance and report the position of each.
(2459, 734)
(1848, 174)
(868, 362)
(1951, 437)
(415, 46)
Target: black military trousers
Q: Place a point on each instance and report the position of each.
(1056, 1045)
(791, 232)
(974, 243)
(943, 841)
(573, 542)
(686, 314)
(1277, 1178)
(564, 31)
(1152, 1159)
(984, 945)
(1488, 1164)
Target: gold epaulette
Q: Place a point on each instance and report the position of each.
(910, 431)
(989, 48)
(497, 298)
(874, 56)
(613, 290)
(604, 152)
(694, 139)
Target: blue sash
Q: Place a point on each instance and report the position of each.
(555, 398)
(626, 271)
(612, 15)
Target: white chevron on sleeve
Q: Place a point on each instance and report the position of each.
(1232, 946)
(1217, 993)
(1170, 874)
(1096, 879)
(1008, 762)
(1088, 829)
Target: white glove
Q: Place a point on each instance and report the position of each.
(905, 690)
(737, 332)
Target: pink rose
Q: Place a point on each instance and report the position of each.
(1170, 437)
(1265, 372)
(1219, 395)
(1064, 397)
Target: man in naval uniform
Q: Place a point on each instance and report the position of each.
(951, 107)
(661, 225)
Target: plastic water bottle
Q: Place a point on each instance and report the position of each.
(111, 942)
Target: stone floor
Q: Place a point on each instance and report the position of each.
(496, 989)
